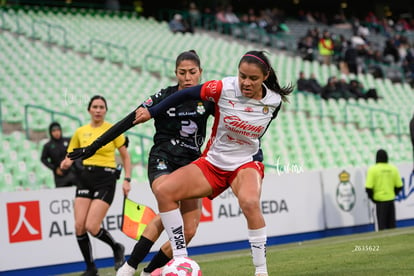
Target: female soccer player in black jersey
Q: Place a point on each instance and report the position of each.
(180, 133)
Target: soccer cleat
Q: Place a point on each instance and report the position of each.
(125, 270)
(262, 274)
(119, 256)
(91, 272)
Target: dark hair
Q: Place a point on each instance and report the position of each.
(97, 97)
(188, 55)
(382, 156)
(259, 58)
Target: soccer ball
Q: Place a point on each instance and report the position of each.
(182, 266)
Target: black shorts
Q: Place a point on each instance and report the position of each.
(97, 183)
(160, 166)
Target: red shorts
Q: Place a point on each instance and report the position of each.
(220, 180)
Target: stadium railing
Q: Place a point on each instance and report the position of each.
(372, 112)
(52, 113)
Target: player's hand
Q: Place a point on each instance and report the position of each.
(141, 115)
(83, 153)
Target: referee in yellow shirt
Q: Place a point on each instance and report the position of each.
(96, 190)
(383, 183)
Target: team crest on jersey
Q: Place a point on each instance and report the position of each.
(161, 165)
(248, 109)
(200, 108)
(148, 102)
(265, 109)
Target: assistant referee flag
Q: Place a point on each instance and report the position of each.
(135, 217)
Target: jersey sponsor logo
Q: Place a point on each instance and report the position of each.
(248, 109)
(148, 102)
(206, 210)
(24, 221)
(235, 124)
(178, 237)
(171, 112)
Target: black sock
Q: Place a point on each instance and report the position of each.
(107, 238)
(86, 249)
(141, 249)
(159, 260)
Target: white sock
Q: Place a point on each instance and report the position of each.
(174, 225)
(257, 239)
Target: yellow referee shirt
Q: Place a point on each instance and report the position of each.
(382, 178)
(105, 156)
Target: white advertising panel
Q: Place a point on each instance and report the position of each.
(294, 202)
(404, 204)
(345, 199)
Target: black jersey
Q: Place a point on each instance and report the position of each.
(180, 130)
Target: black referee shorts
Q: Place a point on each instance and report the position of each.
(97, 183)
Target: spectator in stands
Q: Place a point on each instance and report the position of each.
(408, 66)
(302, 82)
(314, 85)
(309, 85)
(306, 48)
(179, 25)
(326, 47)
(343, 87)
(351, 59)
(96, 190)
(53, 152)
(194, 14)
(390, 53)
(330, 90)
(382, 184)
(230, 16)
(356, 88)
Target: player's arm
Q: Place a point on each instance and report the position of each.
(109, 135)
(45, 159)
(144, 114)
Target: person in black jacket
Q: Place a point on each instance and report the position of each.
(54, 151)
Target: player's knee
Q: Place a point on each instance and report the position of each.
(249, 205)
(162, 194)
(92, 229)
